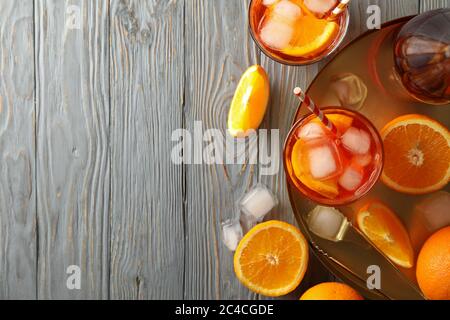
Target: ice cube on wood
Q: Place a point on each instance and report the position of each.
(248, 221)
(357, 141)
(231, 234)
(258, 202)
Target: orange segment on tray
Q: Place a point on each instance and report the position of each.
(311, 36)
(327, 188)
(272, 258)
(331, 291)
(386, 232)
(250, 102)
(417, 154)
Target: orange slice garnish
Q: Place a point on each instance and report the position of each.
(327, 188)
(340, 121)
(417, 154)
(249, 102)
(311, 36)
(385, 230)
(272, 258)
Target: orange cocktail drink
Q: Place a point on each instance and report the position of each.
(297, 32)
(334, 169)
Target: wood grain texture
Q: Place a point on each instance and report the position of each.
(147, 85)
(17, 152)
(426, 5)
(86, 119)
(72, 146)
(218, 50)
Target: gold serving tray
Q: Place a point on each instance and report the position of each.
(371, 58)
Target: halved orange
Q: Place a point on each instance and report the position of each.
(417, 154)
(385, 230)
(331, 291)
(311, 36)
(249, 103)
(328, 188)
(272, 258)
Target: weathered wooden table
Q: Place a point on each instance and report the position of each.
(87, 110)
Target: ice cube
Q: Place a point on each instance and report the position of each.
(320, 7)
(362, 160)
(286, 10)
(327, 223)
(435, 210)
(232, 234)
(351, 179)
(248, 222)
(428, 216)
(350, 90)
(268, 3)
(311, 131)
(356, 141)
(322, 162)
(258, 203)
(276, 34)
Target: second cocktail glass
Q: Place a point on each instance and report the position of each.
(334, 170)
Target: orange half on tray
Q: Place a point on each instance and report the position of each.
(417, 154)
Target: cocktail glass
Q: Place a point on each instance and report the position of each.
(334, 170)
(285, 30)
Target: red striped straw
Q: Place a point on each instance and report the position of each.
(315, 110)
(342, 5)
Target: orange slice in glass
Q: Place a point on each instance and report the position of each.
(328, 188)
(311, 36)
(340, 121)
(417, 154)
(272, 258)
(249, 102)
(385, 230)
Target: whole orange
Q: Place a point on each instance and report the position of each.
(331, 291)
(433, 266)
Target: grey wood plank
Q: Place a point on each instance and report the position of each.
(426, 5)
(147, 85)
(218, 50)
(17, 152)
(73, 169)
